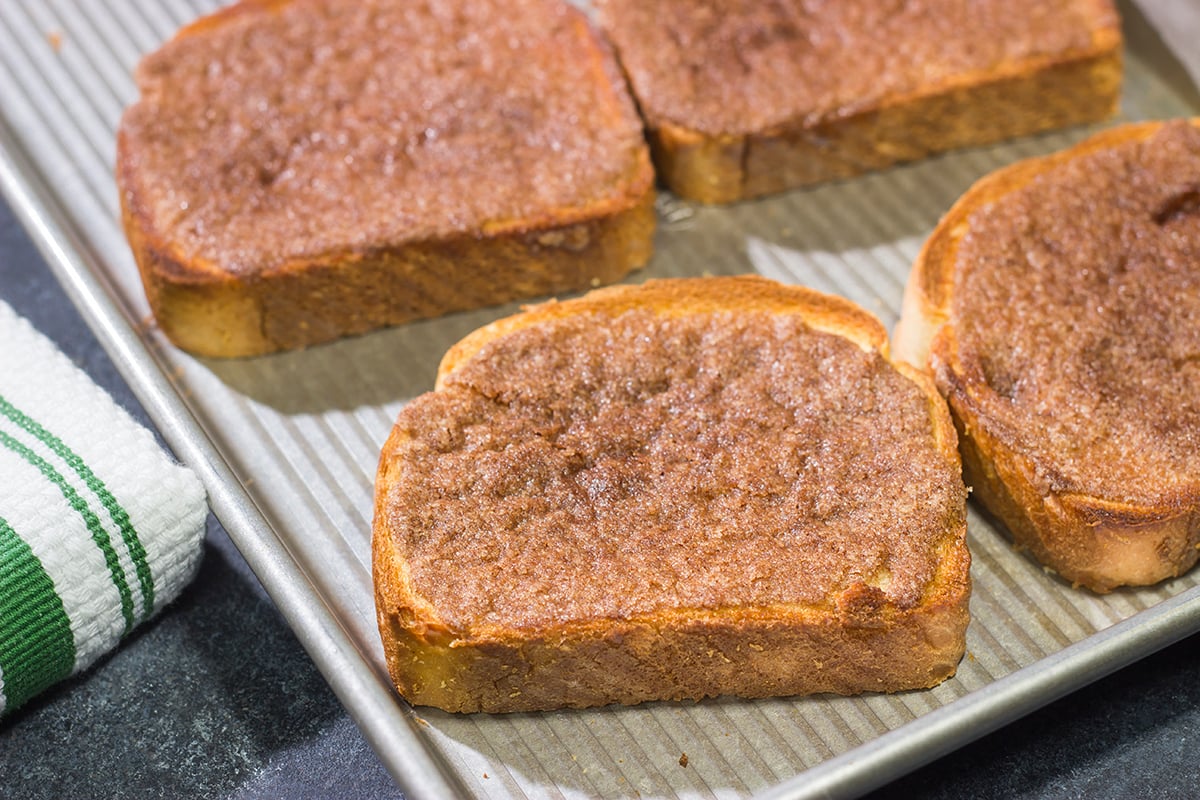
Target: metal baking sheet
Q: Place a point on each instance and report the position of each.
(287, 446)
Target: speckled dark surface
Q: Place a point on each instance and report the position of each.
(217, 699)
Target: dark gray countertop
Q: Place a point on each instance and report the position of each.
(216, 698)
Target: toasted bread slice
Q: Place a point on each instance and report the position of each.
(749, 98)
(714, 486)
(300, 170)
(1056, 304)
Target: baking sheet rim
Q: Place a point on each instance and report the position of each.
(387, 723)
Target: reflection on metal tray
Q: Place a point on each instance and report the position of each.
(287, 446)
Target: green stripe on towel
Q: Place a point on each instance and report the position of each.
(99, 535)
(37, 648)
(115, 510)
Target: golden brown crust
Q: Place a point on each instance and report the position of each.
(678, 297)
(979, 106)
(1096, 542)
(210, 312)
(292, 300)
(857, 640)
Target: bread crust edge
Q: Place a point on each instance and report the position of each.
(212, 312)
(976, 109)
(1094, 542)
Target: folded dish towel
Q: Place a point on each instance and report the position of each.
(99, 528)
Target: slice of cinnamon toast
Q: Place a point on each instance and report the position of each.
(1056, 304)
(749, 98)
(295, 171)
(690, 488)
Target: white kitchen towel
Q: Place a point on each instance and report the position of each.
(99, 527)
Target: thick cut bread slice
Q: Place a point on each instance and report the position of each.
(748, 98)
(1056, 304)
(675, 491)
(300, 170)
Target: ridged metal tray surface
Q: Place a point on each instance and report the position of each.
(288, 445)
